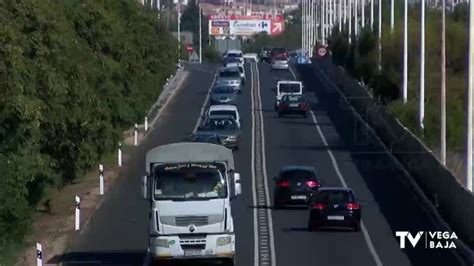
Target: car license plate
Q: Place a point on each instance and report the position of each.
(336, 217)
(298, 197)
(193, 252)
(294, 105)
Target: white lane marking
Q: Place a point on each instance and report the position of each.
(335, 165)
(203, 107)
(264, 163)
(254, 192)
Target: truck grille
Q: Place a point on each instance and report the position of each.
(189, 220)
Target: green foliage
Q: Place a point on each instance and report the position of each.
(73, 75)
(363, 61)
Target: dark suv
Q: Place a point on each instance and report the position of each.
(295, 185)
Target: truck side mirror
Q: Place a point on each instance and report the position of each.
(237, 185)
(145, 187)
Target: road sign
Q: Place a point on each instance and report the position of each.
(277, 27)
(189, 48)
(322, 51)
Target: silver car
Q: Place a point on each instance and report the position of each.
(229, 77)
(222, 95)
(280, 62)
(225, 126)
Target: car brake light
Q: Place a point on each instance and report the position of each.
(285, 183)
(319, 206)
(312, 183)
(353, 206)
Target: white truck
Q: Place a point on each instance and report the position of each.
(190, 187)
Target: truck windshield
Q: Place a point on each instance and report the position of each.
(189, 183)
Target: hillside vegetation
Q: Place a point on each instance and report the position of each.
(73, 75)
(360, 59)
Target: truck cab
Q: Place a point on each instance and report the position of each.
(190, 187)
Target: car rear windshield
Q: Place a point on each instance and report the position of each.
(218, 90)
(238, 55)
(221, 124)
(289, 88)
(282, 58)
(298, 175)
(224, 112)
(337, 196)
(205, 138)
(229, 74)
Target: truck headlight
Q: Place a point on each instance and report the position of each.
(162, 243)
(224, 240)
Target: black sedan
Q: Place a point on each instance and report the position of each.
(206, 138)
(293, 104)
(334, 207)
(295, 185)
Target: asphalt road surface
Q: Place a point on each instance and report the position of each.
(117, 233)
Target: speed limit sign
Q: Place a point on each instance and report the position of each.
(322, 51)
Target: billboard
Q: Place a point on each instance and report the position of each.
(245, 25)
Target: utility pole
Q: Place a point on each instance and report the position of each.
(422, 67)
(380, 35)
(179, 30)
(356, 21)
(363, 13)
(470, 96)
(443, 84)
(323, 15)
(350, 22)
(200, 33)
(405, 53)
(392, 15)
(340, 15)
(372, 14)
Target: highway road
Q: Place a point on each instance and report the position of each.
(117, 234)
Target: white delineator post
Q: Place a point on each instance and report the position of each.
(380, 36)
(135, 140)
(363, 13)
(101, 179)
(78, 213)
(392, 15)
(39, 255)
(350, 22)
(146, 123)
(340, 15)
(356, 19)
(119, 154)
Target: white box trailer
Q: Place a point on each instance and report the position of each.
(189, 187)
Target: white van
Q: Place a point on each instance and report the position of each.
(287, 87)
(225, 109)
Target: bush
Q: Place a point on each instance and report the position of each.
(73, 75)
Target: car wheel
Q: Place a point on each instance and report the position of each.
(239, 91)
(280, 114)
(310, 227)
(305, 115)
(276, 107)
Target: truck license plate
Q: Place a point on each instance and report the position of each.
(192, 252)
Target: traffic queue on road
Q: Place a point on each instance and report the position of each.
(295, 185)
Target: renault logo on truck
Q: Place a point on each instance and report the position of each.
(191, 228)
